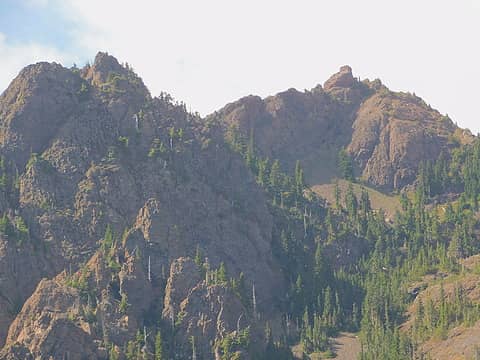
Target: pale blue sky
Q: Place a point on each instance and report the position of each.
(211, 52)
(23, 22)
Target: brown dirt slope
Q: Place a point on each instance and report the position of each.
(346, 346)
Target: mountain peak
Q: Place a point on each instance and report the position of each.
(115, 80)
(105, 61)
(342, 79)
(103, 65)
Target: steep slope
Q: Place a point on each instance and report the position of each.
(386, 133)
(124, 219)
(291, 126)
(460, 339)
(93, 151)
(394, 132)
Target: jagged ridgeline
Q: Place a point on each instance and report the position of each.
(133, 229)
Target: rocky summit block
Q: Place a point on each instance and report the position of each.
(387, 134)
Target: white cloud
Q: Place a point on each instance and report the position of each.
(14, 57)
(213, 51)
(210, 52)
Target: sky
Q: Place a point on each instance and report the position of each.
(211, 52)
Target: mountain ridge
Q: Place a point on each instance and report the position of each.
(125, 215)
(377, 127)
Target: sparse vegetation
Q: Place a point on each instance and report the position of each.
(388, 268)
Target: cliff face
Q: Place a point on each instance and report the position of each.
(393, 133)
(88, 150)
(386, 133)
(20, 272)
(203, 311)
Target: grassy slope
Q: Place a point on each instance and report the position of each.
(389, 203)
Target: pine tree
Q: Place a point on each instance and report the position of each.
(351, 202)
(337, 195)
(274, 179)
(320, 268)
(345, 165)
(198, 257)
(222, 274)
(299, 293)
(5, 226)
(250, 156)
(262, 177)
(299, 181)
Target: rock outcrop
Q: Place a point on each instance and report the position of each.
(342, 79)
(50, 323)
(202, 310)
(90, 152)
(386, 133)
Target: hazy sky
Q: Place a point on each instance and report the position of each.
(211, 52)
